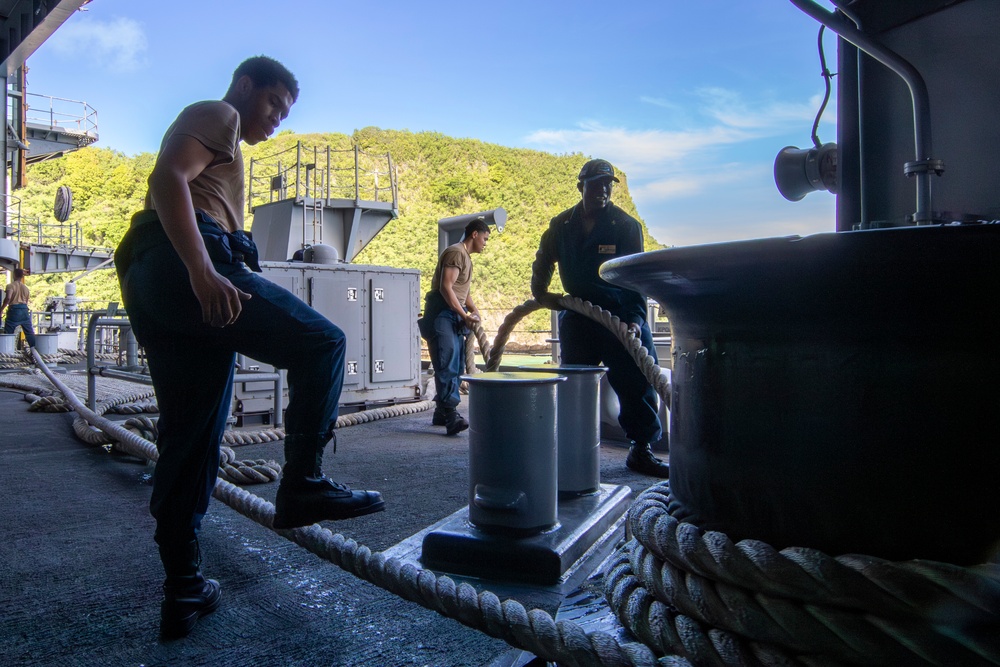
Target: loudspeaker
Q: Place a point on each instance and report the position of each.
(799, 171)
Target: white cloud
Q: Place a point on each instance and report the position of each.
(718, 229)
(688, 184)
(119, 44)
(730, 109)
(664, 163)
(708, 181)
(660, 102)
(637, 152)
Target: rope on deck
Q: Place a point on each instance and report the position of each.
(694, 596)
(696, 593)
(643, 359)
(536, 631)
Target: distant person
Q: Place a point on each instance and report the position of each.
(579, 240)
(15, 301)
(193, 304)
(449, 315)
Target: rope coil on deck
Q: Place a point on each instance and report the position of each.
(681, 589)
(673, 583)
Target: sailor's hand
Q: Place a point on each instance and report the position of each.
(635, 330)
(221, 301)
(471, 320)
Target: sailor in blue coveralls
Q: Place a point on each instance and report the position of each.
(579, 240)
(188, 278)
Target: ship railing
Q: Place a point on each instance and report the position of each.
(316, 172)
(60, 114)
(34, 230)
(116, 326)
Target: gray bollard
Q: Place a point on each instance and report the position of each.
(8, 343)
(47, 343)
(512, 451)
(579, 427)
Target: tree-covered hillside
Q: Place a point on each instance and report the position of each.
(438, 177)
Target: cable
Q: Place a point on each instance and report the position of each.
(827, 76)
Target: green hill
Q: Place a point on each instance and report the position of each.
(438, 177)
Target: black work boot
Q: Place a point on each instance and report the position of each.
(187, 594)
(440, 417)
(306, 497)
(641, 460)
(454, 422)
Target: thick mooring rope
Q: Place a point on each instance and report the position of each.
(695, 597)
(696, 593)
(643, 359)
(564, 642)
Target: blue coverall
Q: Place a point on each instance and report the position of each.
(583, 341)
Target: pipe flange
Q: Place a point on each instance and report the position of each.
(928, 166)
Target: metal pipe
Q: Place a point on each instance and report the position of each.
(357, 199)
(279, 392)
(105, 371)
(392, 182)
(256, 377)
(97, 319)
(298, 166)
(924, 164)
(250, 194)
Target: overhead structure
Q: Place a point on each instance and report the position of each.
(24, 26)
(304, 197)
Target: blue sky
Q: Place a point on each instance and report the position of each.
(691, 99)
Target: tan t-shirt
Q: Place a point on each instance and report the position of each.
(17, 293)
(218, 191)
(457, 256)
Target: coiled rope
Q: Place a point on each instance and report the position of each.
(564, 642)
(685, 592)
(22, 359)
(696, 593)
(697, 598)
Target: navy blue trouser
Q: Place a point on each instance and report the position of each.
(191, 365)
(19, 315)
(584, 341)
(447, 350)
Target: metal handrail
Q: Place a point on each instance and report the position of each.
(82, 121)
(924, 166)
(100, 319)
(320, 171)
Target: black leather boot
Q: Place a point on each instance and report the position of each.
(187, 594)
(641, 460)
(306, 497)
(454, 422)
(440, 416)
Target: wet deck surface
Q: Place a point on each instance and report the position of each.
(80, 576)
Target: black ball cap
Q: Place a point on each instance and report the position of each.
(598, 169)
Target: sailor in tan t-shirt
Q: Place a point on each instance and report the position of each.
(194, 304)
(449, 314)
(15, 302)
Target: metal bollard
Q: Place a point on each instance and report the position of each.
(512, 452)
(47, 343)
(8, 343)
(579, 427)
